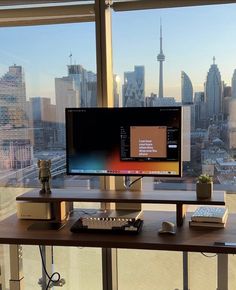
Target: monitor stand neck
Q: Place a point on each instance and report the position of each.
(117, 183)
(123, 183)
(127, 182)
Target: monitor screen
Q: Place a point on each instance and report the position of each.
(144, 141)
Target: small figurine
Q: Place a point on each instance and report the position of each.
(44, 175)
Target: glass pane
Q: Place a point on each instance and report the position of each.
(149, 270)
(80, 267)
(44, 69)
(75, 265)
(174, 58)
(202, 271)
(182, 63)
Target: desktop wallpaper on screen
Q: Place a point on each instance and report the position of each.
(124, 141)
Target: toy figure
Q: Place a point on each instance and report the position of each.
(44, 175)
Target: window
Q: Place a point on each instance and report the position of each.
(44, 70)
(174, 57)
(52, 64)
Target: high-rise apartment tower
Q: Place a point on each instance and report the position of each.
(233, 85)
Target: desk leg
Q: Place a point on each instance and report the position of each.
(2, 269)
(16, 268)
(185, 271)
(222, 272)
(180, 214)
(109, 269)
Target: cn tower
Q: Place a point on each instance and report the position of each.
(161, 59)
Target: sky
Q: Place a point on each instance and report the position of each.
(191, 37)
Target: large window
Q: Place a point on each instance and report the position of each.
(174, 56)
(171, 56)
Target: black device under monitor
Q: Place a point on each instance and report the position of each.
(141, 141)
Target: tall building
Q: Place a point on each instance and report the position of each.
(85, 83)
(226, 101)
(116, 82)
(77, 89)
(213, 93)
(161, 59)
(15, 147)
(187, 97)
(233, 85)
(200, 110)
(232, 128)
(133, 89)
(186, 89)
(66, 96)
(44, 123)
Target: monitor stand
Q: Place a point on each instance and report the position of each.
(123, 183)
(46, 225)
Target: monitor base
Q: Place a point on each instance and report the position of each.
(46, 225)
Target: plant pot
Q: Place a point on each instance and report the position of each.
(204, 190)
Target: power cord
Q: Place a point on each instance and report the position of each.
(50, 278)
(127, 185)
(208, 256)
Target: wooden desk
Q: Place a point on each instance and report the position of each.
(15, 232)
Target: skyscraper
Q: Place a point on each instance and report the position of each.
(77, 89)
(187, 97)
(44, 123)
(186, 89)
(85, 84)
(66, 96)
(15, 146)
(134, 88)
(233, 85)
(161, 59)
(200, 110)
(213, 92)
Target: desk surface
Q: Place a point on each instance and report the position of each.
(14, 231)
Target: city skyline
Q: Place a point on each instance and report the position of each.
(191, 37)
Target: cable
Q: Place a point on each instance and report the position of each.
(50, 278)
(127, 186)
(205, 255)
(135, 180)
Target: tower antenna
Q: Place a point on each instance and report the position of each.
(214, 60)
(70, 56)
(161, 59)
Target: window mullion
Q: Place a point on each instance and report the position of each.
(104, 54)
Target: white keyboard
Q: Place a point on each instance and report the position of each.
(104, 223)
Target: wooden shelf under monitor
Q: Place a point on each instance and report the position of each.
(179, 198)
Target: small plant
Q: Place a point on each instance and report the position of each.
(204, 178)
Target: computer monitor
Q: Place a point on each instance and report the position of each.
(143, 141)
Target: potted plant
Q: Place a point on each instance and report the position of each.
(204, 186)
